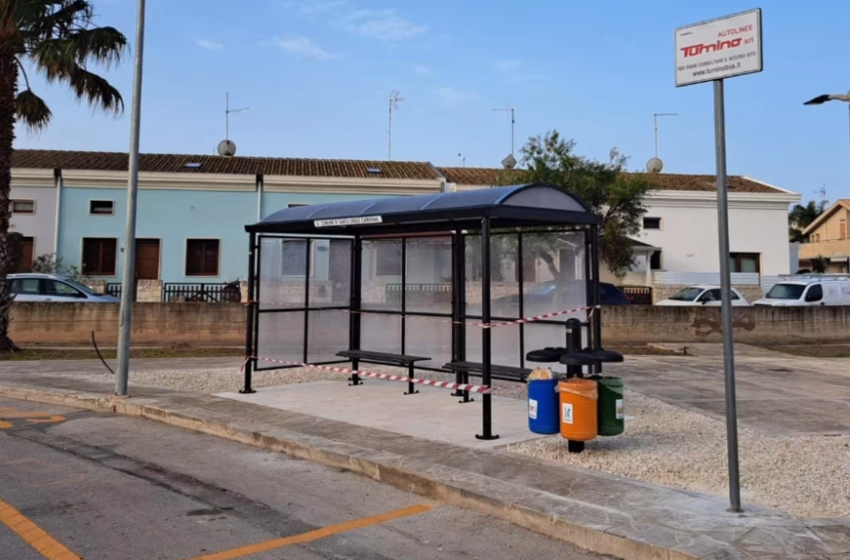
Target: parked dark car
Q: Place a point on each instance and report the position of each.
(545, 293)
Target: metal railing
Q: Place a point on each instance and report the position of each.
(420, 293)
(638, 295)
(202, 293)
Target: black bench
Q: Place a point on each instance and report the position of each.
(382, 358)
(503, 373)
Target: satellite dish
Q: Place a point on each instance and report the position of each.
(654, 165)
(227, 148)
(509, 162)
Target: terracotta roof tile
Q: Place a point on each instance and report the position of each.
(476, 176)
(662, 181)
(175, 163)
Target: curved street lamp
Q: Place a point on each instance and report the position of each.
(821, 99)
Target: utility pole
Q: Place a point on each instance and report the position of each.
(510, 109)
(395, 99)
(655, 118)
(128, 284)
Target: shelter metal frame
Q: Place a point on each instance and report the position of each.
(456, 216)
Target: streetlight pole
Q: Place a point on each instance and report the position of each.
(821, 99)
(128, 282)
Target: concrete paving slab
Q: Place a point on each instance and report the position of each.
(609, 514)
(432, 414)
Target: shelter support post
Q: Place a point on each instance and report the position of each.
(250, 359)
(459, 310)
(486, 350)
(356, 299)
(594, 296)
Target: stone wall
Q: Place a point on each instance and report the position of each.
(767, 325)
(224, 324)
(153, 323)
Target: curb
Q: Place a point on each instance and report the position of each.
(357, 460)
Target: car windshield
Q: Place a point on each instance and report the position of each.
(686, 294)
(786, 291)
(85, 289)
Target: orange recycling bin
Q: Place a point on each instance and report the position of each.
(579, 399)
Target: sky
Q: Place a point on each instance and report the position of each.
(316, 76)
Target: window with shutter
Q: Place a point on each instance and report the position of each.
(202, 257)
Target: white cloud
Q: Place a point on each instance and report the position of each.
(383, 25)
(511, 74)
(209, 45)
(506, 65)
(451, 97)
(316, 7)
(303, 47)
(424, 70)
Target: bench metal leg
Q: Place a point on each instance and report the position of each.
(410, 389)
(354, 379)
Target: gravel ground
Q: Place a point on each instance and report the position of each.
(663, 444)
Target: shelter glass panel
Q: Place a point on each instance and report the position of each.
(280, 337)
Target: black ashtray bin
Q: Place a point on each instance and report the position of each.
(545, 355)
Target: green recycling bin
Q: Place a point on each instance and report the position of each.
(610, 410)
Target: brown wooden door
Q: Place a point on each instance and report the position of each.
(27, 250)
(147, 259)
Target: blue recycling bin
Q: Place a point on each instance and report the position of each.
(543, 405)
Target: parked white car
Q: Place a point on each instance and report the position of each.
(33, 286)
(702, 295)
(807, 292)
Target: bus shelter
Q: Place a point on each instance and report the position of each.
(464, 282)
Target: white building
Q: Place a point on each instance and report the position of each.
(680, 227)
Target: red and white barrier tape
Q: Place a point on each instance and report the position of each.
(384, 376)
(592, 308)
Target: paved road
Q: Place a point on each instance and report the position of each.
(777, 393)
(76, 484)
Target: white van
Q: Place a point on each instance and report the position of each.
(808, 291)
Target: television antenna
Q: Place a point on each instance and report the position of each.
(655, 119)
(395, 99)
(823, 200)
(510, 109)
(227, 112)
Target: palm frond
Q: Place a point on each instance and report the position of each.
(54, 58)
(31, 110)
(105, 45)
(53, 18)
(96, 90)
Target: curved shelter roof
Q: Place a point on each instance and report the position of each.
(516, 206)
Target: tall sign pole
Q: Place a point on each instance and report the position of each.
(128, 285)
(712, 51)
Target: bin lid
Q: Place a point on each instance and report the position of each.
(545, 355)
(578, 359)
(607, 356)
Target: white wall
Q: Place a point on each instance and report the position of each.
(41, 225)
(758, 223)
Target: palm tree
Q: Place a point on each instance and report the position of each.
(802, 217)
(58, 39)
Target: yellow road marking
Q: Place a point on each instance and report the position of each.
(10, 413)
(315, 535)
(34, 535)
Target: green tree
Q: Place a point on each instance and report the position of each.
(57, 39)
(800, 217)
(820, 264)
(604, 186)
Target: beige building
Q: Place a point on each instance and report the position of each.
(828, 237)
